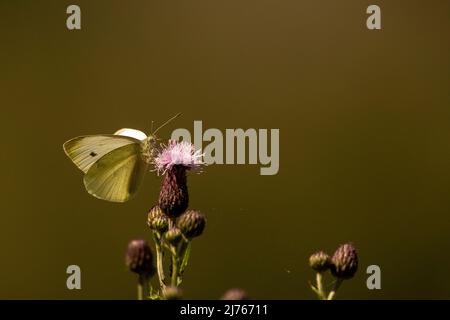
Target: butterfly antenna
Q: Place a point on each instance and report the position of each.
(151, 127)
(168, 121)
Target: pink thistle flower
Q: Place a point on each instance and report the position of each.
(182, 154)
(174, 161)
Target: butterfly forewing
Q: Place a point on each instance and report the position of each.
(84, 151)
(117, 175)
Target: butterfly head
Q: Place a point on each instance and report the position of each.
(150, 142)
(150, 148)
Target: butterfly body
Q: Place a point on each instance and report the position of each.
(113, 164)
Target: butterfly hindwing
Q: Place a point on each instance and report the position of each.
(117, 175)
(84, 151)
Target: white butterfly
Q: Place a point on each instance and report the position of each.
(114, 164)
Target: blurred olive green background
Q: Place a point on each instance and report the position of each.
(364, 119)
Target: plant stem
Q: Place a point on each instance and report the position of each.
(175, 265)
(140, 288)
(319, 285)
(335, 289)
(185, 253)
(159, 261)
(143, 287)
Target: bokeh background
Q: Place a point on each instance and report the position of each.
(364, 119)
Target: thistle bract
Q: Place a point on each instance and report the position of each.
(172, 293)
(139, 257)
(191, 223)
(320, 261)
(174, 197)
(173, 235)
(174, 160)
(344, 262)
(157, 220)
(235, 294)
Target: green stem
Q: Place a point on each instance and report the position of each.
(141, 287)
(170, 248)
(335, 289)
(182, 247)
(321, 294)
(185, 253)
(175, 268)
(159, 261)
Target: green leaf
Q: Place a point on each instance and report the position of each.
(186, 255)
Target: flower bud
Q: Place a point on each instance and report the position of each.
(172, 293)
(139, 257)
(174, 196)
(235, 294)
(156, 219)
(344, 261)
(320, 261)
(191, 223)
(173, 236)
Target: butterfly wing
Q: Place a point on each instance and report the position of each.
(117, 175)
(84, 151)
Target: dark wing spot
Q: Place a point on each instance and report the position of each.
(92, 154)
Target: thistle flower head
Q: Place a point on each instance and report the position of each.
(320, 261)
(344, 262)
(174, 195)
(178, 154)
(139, 257)
(235, 294)
(191, 223)
(173, 235)
(172, 293)
(157, 220)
